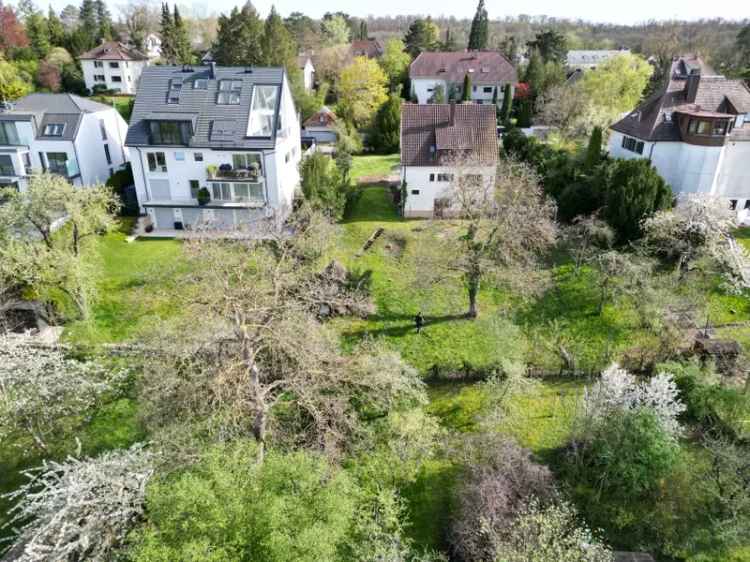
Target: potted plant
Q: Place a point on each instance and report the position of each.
(254, 170)
(211, 170)
(204, 197)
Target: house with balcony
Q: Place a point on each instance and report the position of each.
(213, 145)
(696, 131)
(435, 138)
(489, 72)
(113, 66)
(64, 134)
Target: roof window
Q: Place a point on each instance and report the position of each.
(54, 129)
(229, 92)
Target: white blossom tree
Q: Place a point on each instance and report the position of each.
(618, 390)
(41, 388)
(80, 509)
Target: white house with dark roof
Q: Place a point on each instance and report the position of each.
(113, 66)
(434, 137)
(233, 131)
(489, 72)
(307, 67)
(696, 132)
(75, 137)
(583, 60)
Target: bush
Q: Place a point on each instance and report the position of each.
(118, 182)
(204, 196)
(323, 185)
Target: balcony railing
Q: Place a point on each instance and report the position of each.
(226, 172)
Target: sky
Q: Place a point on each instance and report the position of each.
(628, 12)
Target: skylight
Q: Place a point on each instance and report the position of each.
(263, 112)
(229, 92)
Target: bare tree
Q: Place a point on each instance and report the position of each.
(586, 237)
(504, 225)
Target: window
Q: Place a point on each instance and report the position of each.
(221, 191)
(432, 177)
(54, 129)
(157, 162)
(179, 156)
(747, 204)
(445, 177)
(169, 132)
(106, 153)
(704, 128)
(117, 79)
(175, 84)
(99, 78)
(198, 157)
(237, 192)
(263, 111)
(57, 163)
(229, 92)
(98, 64)
(733, 204)
(194, 188)
(8, 133)
(720, 128)
(114, 65)
(632, 145)
(103, 129)
(6, 165)
(173, 98)
(200, 84)
(488, 89)
(415, 192)
(244, 161)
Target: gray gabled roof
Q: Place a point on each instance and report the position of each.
(215, 126)
(49, 109)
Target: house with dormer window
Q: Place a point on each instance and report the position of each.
(229, 132)
(113, 66)
(696, 131)
(77, 138)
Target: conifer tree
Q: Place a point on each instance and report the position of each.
(421, 36)
(363, 34)
(507, 108)
(479, 34)
(239, 38)
(180, 39)
(594, 149)
(279, 47)
(38, 34)
(55, 29)
(103, 21)
(168, 46)
(466, 96)
(450, 42)
(87, 16)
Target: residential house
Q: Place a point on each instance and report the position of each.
(580, 60)
(695, 130)
(434, 138)
(305, 64)
(489, 73)
(113, 66)
(370, 48)
(152, 46)
(75, 137)
(322, 127)
(231, 130)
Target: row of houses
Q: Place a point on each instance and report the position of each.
(222, 145)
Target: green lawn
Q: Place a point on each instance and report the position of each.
(120, 103)
(375, 165)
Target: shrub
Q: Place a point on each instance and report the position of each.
(204, 196)
(323, 185)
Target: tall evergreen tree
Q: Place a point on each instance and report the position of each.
(180, 39)
(363, 34)
(450, 41)
(594, 149)
(534, 75)
(480, 33)
(37, 31)
(507, 108)
(239, 37)
(421, 36)
(103, 21)
(466, 96)
(168, 46)
(387, 131)
(279, 47)
(87, 18)
(55, 29)
(552, 46)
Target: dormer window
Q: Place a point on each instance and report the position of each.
(229, 92)
(54, 129)
(170, 132)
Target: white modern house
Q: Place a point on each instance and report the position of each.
(489, 72)
(582, 60)
(305, 64)
(433, 138)
(232, 132)
(77, 138)
(152, 46)
(113, 66)
(696, 132)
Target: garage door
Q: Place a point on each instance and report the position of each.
(159, 189)
(164, 218)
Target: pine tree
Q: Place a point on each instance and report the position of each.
(466, 96)
(479, 34)
(168, 46)
(507, 108)
(239, 38)
(103, 21)
(534, 75)
(363, 34)
(450, 42)
(387, 131)
(421, 36)
(279, 48)
(594, 149)
(38, 32)
(87, 19)
(55, 28)
(525, 114)
(180, 40)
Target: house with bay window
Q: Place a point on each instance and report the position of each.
(212, 145)
(79, 139)
(696, 131)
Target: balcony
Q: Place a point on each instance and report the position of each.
(226, 172)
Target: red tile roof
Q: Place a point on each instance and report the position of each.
(370, 48)
(323, 118)
(428, 138)
(484, 67)
(112, 50)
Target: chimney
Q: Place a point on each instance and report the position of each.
(452, 121)
(693, 79)
(212, 70)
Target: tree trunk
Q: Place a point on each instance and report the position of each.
(473, 292)
(76, 240)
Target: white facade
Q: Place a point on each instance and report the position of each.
(424, 88)
(426, 184)
(723, 171)
(308, 73)
(152, 45)
(88, 159)
(117, 75)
